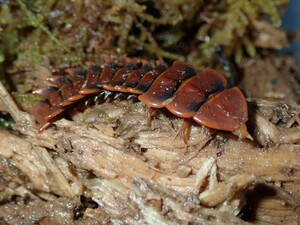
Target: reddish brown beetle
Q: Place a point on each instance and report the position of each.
(184, 92)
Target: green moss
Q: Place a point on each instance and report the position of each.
(64, 33)
(8, 33)
(231, 27)
(26, 100)
(6, 123)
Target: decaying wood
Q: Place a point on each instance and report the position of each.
(142, 174)
(263, 79)
(9, 104)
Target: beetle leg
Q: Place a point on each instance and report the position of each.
(151, 112)
(185, 130)
(242, 133)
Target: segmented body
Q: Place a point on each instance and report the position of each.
(184, 92)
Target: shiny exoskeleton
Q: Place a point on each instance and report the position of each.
(186, 93)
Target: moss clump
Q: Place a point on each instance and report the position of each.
(229, 24)
(61, 34)
(27, 100)
(6, 123)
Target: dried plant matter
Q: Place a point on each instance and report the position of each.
(140, 174)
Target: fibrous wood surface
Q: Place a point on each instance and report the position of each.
(134, 173)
